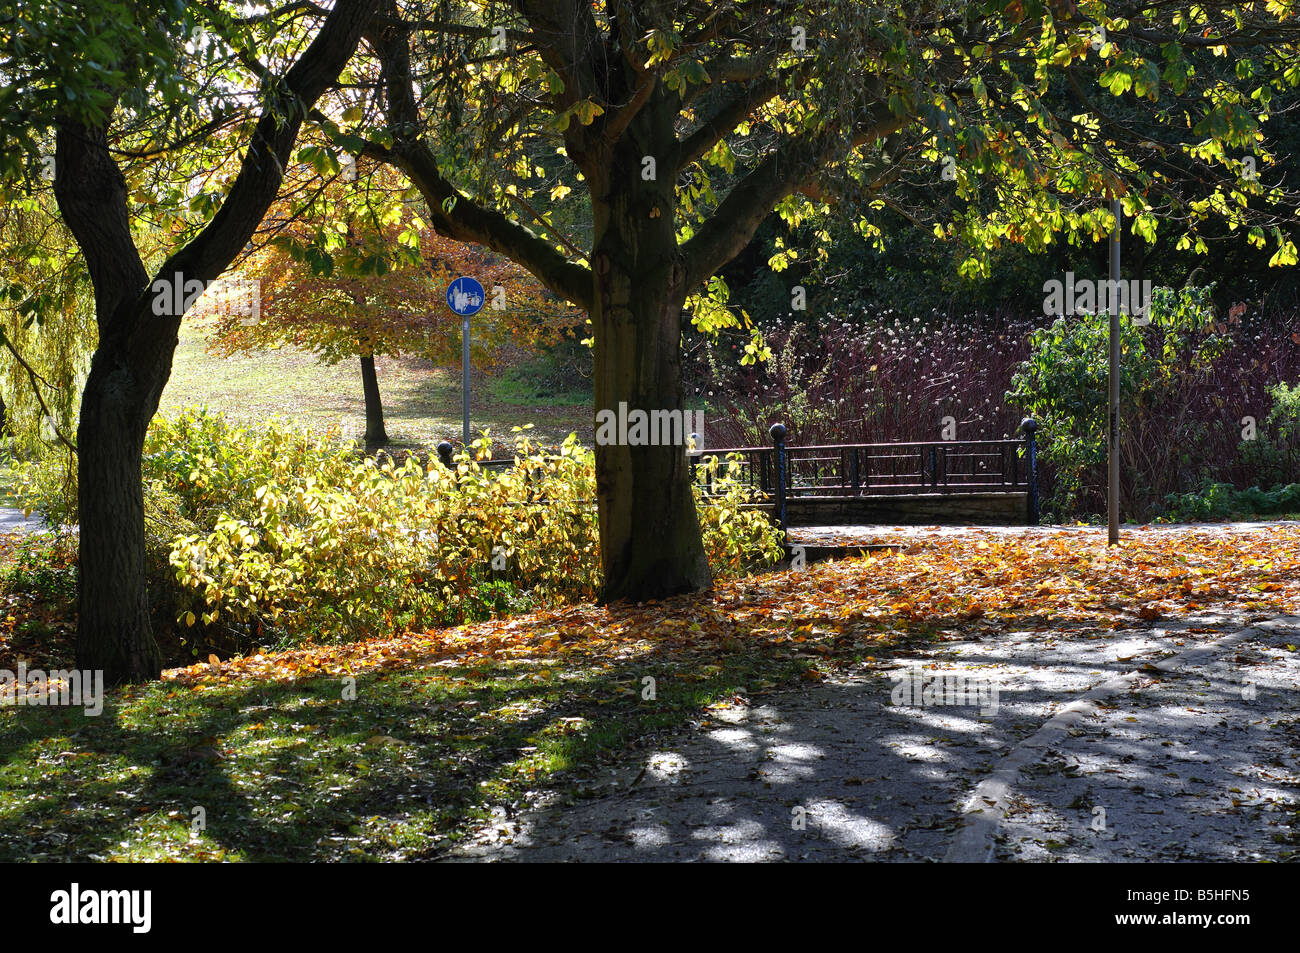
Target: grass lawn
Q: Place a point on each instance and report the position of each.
(422, 403)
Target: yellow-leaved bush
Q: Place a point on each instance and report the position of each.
(305, 539)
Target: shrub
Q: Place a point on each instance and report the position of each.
(44, 482)
(1274, 454)
(738, 536)
(1167, 373)
(1223, 501)
(869, 376)
(301, 539)
(44, 564)
(305, 539)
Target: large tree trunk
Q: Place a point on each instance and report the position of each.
(113, 631)
(649, 531)
(376, 436)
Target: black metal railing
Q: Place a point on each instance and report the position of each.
(834, 472)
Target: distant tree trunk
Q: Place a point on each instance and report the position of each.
(376, 436)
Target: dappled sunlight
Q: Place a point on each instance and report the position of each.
(667, 767)
(918, 748)
(849, 829)
(736, 739)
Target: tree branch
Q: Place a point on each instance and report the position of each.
(456, 216)
(738, 216)
(723, 121)
(452, 213)
(568, 40)
(262, 168)
(36, 380)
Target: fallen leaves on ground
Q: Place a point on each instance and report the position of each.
(456, 728)
(995, 580)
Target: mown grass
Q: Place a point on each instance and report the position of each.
(422, 403)
(402, 770)
(523, 385)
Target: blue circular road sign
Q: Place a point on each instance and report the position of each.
(465, 296)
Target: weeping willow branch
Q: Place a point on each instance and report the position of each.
(36, 381)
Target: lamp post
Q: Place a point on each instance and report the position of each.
(1112, 428)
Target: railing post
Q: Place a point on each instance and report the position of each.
(444, 454)
(693, 454)
(777, 433)
(1030, 428)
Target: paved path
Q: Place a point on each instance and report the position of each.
(13, 521)
(1174, 743)
(858, 534)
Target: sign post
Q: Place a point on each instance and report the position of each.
(465, 297)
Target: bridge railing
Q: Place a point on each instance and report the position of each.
(972, 466)
(833, 472)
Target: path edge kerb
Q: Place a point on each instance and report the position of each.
(986, 805)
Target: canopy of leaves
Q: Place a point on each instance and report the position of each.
(994, 122)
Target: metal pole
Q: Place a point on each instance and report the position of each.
(1112, 431)
(777, 432)
(464, 369)
(1029, 427)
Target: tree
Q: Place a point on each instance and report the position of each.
(384, 293)
(137, 80)
(688, 123)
